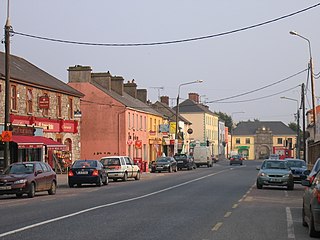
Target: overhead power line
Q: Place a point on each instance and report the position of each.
(167, 42)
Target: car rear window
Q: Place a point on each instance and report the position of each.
(298, 164)
(111, 162)
(84, 164)
(179, 157)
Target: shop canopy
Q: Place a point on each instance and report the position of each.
(37, 142)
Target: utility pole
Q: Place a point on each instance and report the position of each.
(7, 30)
(303, 122)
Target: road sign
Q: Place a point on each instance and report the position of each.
(6, 136)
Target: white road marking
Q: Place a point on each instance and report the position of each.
(290, 224)
(228, 214)
(217, 226)
(106, 205)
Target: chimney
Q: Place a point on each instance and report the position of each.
(194, 97)
(79, 73)
(103, 79)
(117, 84)
(131, 88)
(142, 95)
(164, 99)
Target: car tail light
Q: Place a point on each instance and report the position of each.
(70, 173)
(231, 159)
(95, 172)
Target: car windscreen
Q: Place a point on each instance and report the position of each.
(84, 164)
(20, 169)
(180, 157)
(110, 161)
(275, 165)
(297, 164)
(163, 160)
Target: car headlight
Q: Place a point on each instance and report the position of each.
(21, 181)
(263, 174)
(286, 175)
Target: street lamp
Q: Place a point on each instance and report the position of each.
(312, 82)
(177, 113)
(298, 125)
(232, 127)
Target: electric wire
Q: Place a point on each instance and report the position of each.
(167, 42)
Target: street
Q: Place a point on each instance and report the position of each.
(221, 202)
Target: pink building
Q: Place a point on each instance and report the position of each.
(114, 115)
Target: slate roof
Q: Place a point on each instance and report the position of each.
(25, 72)
(190, 106)
(168, 112)
(127, 100)
(249, 128)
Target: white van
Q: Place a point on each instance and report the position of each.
(202, 156)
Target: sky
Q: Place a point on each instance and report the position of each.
(240, 55)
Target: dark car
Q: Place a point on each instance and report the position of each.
(311, 205)
(87, 172)
(314, 170)
(28, 178)
(298, 168)
(164, 164)
(184, 161)
(236, 159)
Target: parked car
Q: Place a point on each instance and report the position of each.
(87, 172)
(311, 206)
(298, 168)
(28, 178)
(236, 159)
(185, 161)
(121, 167)
(275, 173)
(164, 164)
(314, 170)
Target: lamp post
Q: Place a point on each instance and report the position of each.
(312, 82)
(298, 126)
(232, 127)
(177, 113)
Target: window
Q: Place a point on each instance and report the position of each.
(29, 100)
(237, 140)
(247, 140)
(13, 97)
(70, 108)
(140, 122)
(133, 120)
(46, 110)
(129, 119)
(59, 108)
(279, 140)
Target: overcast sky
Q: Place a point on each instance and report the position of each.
(229, 64)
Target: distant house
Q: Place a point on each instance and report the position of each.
(259, 139)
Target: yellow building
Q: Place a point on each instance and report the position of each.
(259, 139)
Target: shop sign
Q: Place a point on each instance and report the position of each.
(44, 102)
(22, 131)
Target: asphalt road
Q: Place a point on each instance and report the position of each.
(207, 203)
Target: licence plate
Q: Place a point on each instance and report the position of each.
(5, 187)
(82, 173)
(275, 180)
(296, 175)
(180, 161)
(159, 167)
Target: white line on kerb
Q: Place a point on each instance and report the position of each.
(106, 205)
(290, 224)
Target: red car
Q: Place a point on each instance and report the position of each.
(28, 178)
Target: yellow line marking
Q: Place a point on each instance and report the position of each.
(227, 214)
(217, 226)
(235, 205)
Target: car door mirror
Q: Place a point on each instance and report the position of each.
(306, 172)
(306, 183)
(38, 172)
(258, 167)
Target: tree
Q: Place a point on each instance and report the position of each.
(294, 126)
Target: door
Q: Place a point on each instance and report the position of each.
(40, 177)
(129, 166)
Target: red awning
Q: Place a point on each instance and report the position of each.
(37, 142)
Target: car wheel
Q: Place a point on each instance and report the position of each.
(32, 190)
(71, 185)
(311, 230)
(106, 181)
(53, 188)
(259, 186)
(125, 177)
(176, 169)
(19, 195)
(304, 223)
(138, 176)
(290, 186)
(170, 169)
(99, 182)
